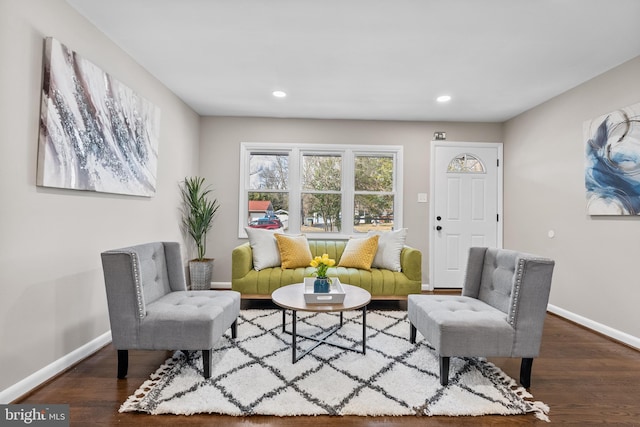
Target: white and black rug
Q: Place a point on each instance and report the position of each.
(253, 375)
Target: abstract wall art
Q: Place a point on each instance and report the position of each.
(96, 134)
(612, 167)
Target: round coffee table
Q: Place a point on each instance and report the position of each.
(291, 297)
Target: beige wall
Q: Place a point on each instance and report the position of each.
(596, 274)
(52, 298)
(220, 151)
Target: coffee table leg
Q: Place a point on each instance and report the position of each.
(293, 336)
(284, 319)
(364, 329)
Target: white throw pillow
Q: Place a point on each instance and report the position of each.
(390, 246)
(264, 247)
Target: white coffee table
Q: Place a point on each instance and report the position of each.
(291, 297)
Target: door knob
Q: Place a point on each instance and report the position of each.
(438, 217)
(438, 228)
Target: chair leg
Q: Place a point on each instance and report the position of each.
(412, 333)
(206, 363)
(444, 370)
(234, 329)
(123, 363)
(525, 371)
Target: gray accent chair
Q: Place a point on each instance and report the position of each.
(150, 307)
(500, 313)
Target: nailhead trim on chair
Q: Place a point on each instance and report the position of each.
(516, 293)
(136, 276)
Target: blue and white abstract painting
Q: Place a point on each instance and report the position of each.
(612, 169)
(96, 134)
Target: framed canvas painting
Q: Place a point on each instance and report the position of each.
(96, 134)
(612, 168)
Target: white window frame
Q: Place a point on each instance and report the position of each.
(295, 152)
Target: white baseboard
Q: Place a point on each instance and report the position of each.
(221, 285)
(598, 327)
(426, 287)
(34, 380)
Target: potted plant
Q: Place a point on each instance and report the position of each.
(198, 213)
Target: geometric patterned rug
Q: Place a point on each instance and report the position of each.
(253, 374)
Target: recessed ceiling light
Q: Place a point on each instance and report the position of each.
(279, 94)
(443, 98)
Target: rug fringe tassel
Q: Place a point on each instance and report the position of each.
(132, 401)
(139, 394)
(541, 410)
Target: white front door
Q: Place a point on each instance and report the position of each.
(466, 208)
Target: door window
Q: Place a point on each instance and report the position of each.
(466, 163)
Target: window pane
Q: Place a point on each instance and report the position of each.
(321, 213)
(322, 173)
(373, 213)
(268, 171)
(466, 163)
(374, 173)
(268, 210)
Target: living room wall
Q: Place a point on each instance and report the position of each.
(52, 298)
(220, 160)
(595, 280)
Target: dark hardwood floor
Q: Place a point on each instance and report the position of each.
(585, 378)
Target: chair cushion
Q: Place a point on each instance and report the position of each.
(461, 326)
(498, 278)
(188, 320)
(154, 279)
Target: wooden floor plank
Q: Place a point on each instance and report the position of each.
(585, 378)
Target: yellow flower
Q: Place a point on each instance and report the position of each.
(322, 264)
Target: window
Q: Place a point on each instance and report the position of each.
(374, 194)
(268, 184)
(321, 193)
(466, 163)
(336, 190)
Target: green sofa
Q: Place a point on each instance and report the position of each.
(381, 283)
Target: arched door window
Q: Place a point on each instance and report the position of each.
(466, 163)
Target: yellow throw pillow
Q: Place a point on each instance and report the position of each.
(294, 250)
(359, 253)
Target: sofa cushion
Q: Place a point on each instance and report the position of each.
(390, 247)
(264, 247)
(359, 253)
(294, 250)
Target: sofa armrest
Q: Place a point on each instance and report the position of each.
(411, 263)
(241, 261)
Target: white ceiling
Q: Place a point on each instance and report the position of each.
(370, 59)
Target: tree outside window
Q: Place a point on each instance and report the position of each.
(269, 175)
(321, 197)
(374, 198)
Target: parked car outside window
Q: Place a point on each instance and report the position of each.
(267, 223)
